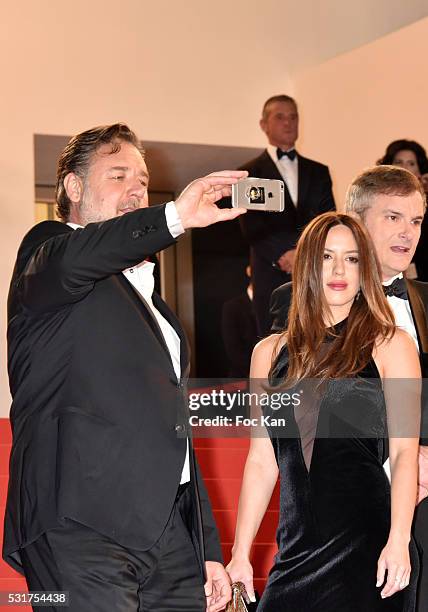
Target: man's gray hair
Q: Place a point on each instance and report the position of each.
(380, 180)
(278, 98)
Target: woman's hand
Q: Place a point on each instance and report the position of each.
(240, 570)
(394, 559)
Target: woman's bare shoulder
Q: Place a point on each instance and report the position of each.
(398, 355)
(399, 341)
(263, 354)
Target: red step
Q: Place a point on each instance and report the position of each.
(224, 493)
(5, 432)
(3, 491)
(222, 462)
(14, 585)
(221, 443)
(4, 459)
(226, 521)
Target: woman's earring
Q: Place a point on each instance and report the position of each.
(358, 295)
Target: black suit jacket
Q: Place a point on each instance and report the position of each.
(418, 300)
(239, 331)
(272, 234)
(98, 413)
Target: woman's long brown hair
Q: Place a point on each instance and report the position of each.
(370, 317)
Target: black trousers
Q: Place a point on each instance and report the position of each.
(420, 532)
(102, 576)
(265, 278)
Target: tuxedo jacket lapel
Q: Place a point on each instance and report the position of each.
(418, 312)
(270, 170)
(152, 321)
(173, 320)
(148, 315)
(302, 179)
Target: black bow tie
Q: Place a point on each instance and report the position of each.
(397, 289)
(290, 154)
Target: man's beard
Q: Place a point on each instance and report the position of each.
(90, 214)
(87, 213)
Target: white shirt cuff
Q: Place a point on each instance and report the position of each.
(173, 220)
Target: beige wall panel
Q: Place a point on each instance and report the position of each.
(175, 71)
(354, 105)
(196, 72)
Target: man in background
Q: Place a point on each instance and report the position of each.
(308, 192)
(391, 203)
(239, 331)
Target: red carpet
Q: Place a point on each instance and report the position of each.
(222, 463)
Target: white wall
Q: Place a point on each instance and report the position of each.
(174, 71)
(191, 71)
(323, 29)
(354, 105)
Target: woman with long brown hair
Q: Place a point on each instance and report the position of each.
(344, 533)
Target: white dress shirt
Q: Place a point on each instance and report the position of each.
(141, 278)
(289, 170)
(402, 312)
(403, 320)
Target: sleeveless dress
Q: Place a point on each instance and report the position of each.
(334, 516)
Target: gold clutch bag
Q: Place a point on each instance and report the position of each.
(239, 600)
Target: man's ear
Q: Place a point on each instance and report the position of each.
(262, 124)
(73, 186)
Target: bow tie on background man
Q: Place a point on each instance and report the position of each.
(291, 154)
(396, 289)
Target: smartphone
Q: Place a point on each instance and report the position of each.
(258, 194)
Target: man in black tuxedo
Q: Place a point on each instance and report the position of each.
(391, 203)
(239, 331)
(273, 236)
(105, 497)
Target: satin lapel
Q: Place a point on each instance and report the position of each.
(148, 314)
(197, 511)
(418, 312)
(169, 315)
(268, 169)
(303, 177)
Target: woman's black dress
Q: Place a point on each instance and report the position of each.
(334, 515)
